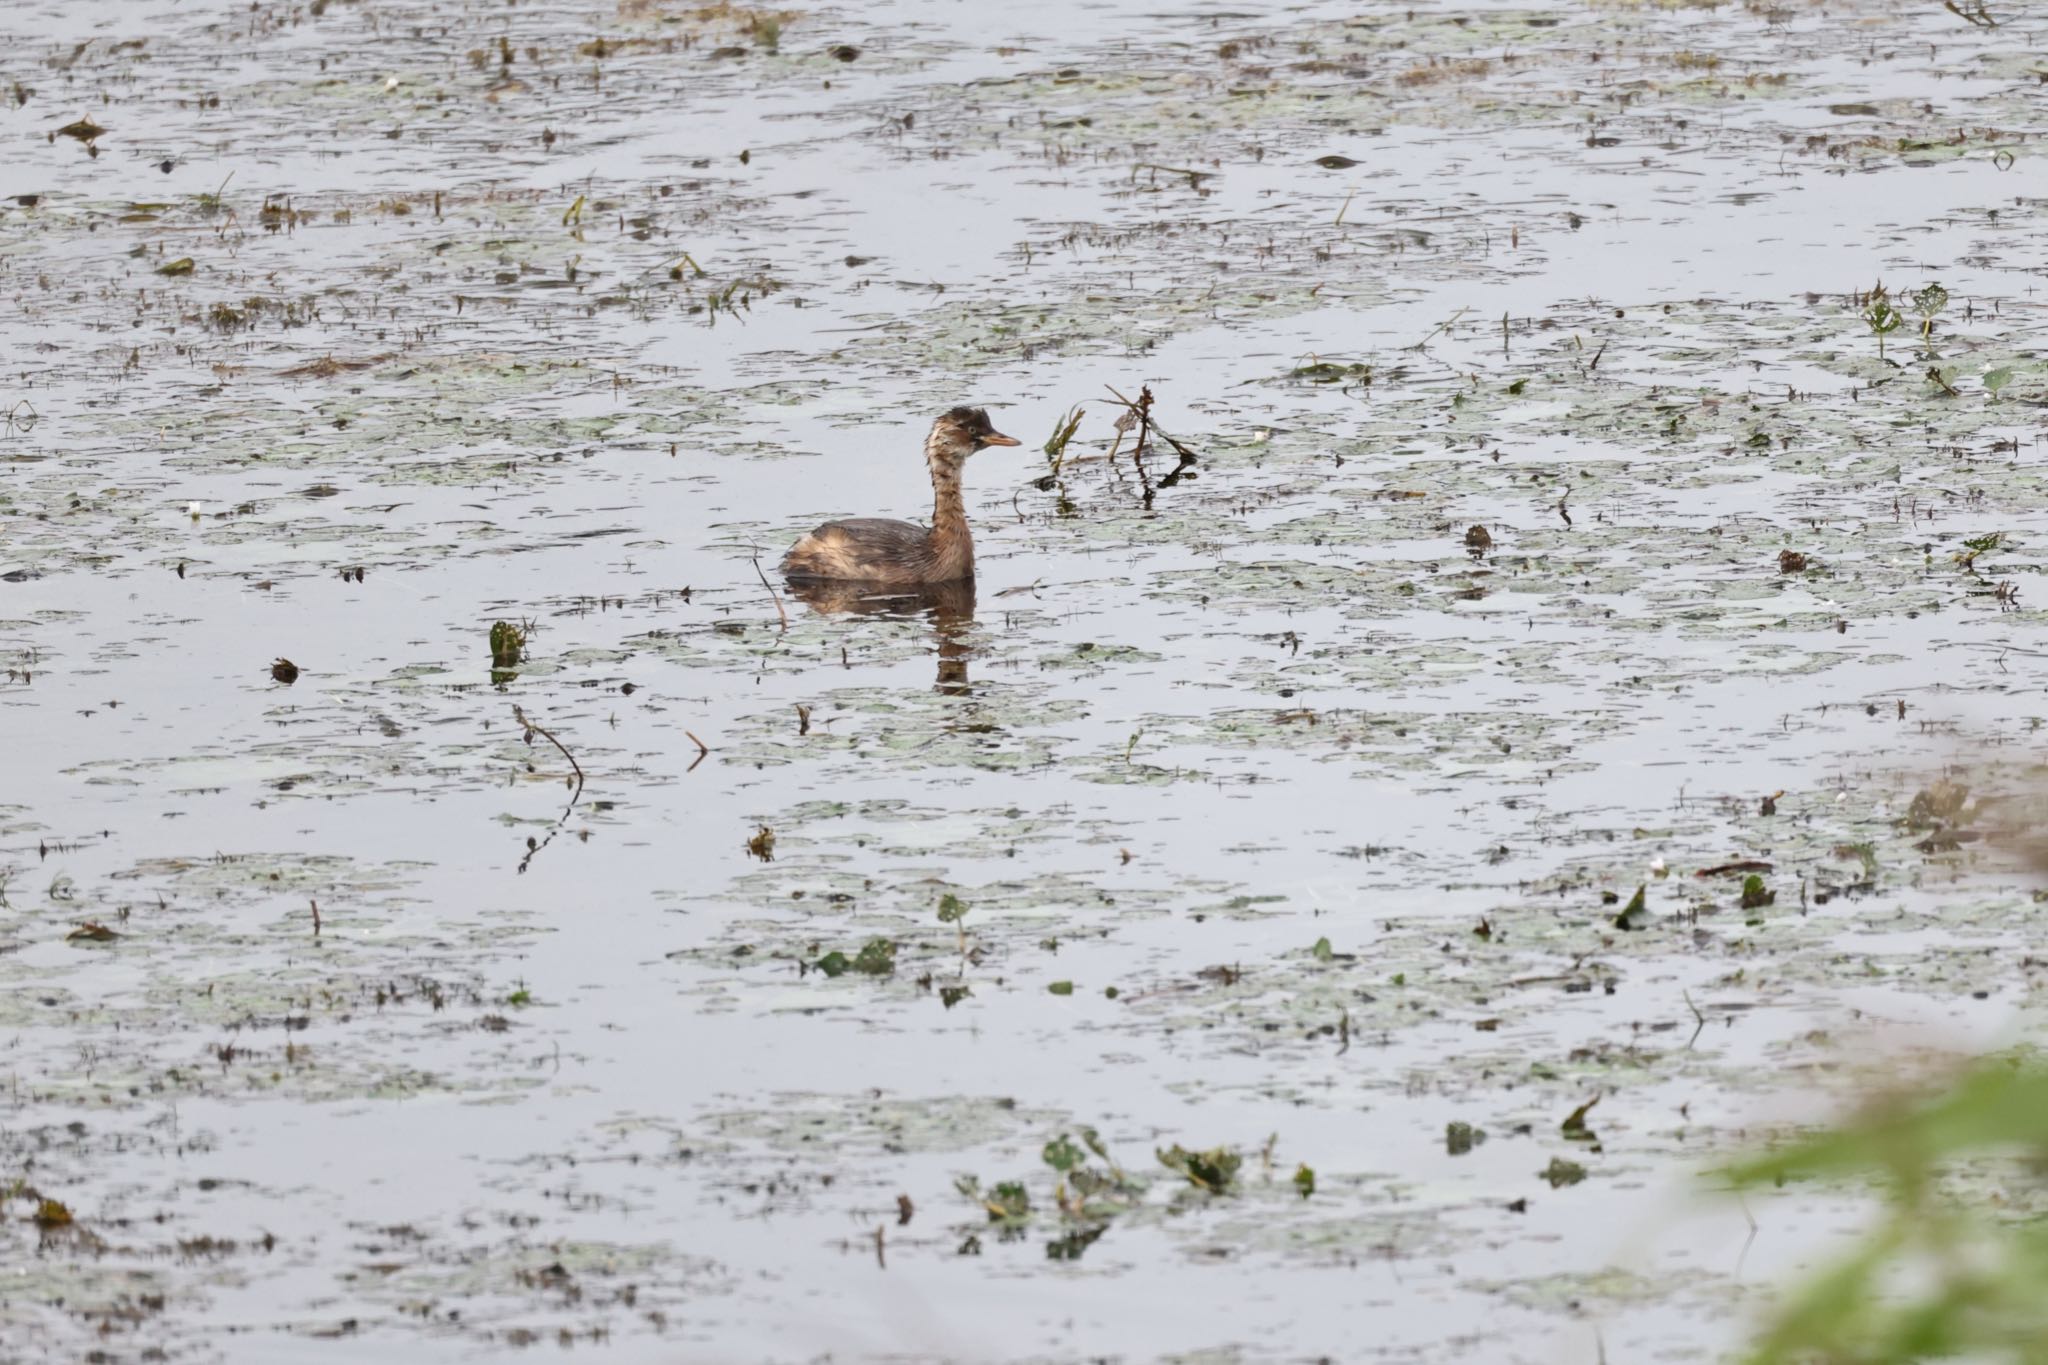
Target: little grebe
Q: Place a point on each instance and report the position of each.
(877, 550)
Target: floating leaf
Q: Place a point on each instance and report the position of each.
(1009, 1201)
(1062, 1155)
(877, 957)
(1214, 1170)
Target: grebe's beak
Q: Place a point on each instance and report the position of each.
(996, 438)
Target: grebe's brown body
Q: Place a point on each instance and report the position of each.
(880, 551)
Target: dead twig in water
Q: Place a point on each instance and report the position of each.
(1140, 414)
(703, 750)
(549, 735)
(1445, 326)
(534, 846)
(1195, 178)
(771, 593)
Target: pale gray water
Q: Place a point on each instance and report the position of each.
(597, 1101)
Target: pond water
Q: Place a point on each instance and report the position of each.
(1203, 938)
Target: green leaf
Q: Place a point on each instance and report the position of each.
(1323, 951)
(1062, 1155)
(1994, 380)
(1008, 1202)
(1574, 1126)
(1061, 988)
(833, 963)
(1637, 912)
(1930, 300)
(1214, 1170)
(1561, 1173)
(877, 957)
(951, 908)
(1063, 432)
(1305, 1180)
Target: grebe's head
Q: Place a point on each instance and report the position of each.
(961, 432)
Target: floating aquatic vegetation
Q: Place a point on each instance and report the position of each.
(1273, 797)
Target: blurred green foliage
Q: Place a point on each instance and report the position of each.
(1955, 1268)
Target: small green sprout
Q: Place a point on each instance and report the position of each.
(1881, 317)
(953, 911)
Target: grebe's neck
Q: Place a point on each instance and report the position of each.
(952, 545)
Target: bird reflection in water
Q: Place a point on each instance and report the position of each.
(949, 607)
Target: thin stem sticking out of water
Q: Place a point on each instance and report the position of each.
(1444, 326)
(534, 847)
(532, 730)
(1140, 415)
(771, 593)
